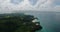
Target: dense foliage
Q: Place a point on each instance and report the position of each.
(17, 23)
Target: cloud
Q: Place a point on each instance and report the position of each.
(57, 2)
(41, 5)
(16, 1)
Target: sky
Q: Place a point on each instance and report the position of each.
(26, 5)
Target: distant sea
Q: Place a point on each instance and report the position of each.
(50, 21)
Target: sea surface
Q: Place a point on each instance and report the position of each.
(50, 21)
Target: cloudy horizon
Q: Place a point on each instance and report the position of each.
(35, 5)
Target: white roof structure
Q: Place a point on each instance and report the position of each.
(35, 20)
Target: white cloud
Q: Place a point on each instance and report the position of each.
(42, 5)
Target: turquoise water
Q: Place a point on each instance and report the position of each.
(50, 21)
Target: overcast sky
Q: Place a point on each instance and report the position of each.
(38, 5)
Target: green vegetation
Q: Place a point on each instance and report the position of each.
(17, 23)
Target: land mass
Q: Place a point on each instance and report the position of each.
(17, 22)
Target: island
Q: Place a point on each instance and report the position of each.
(19, 22)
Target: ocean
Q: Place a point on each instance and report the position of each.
(50, 21)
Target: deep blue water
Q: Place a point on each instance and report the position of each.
(50, 21)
